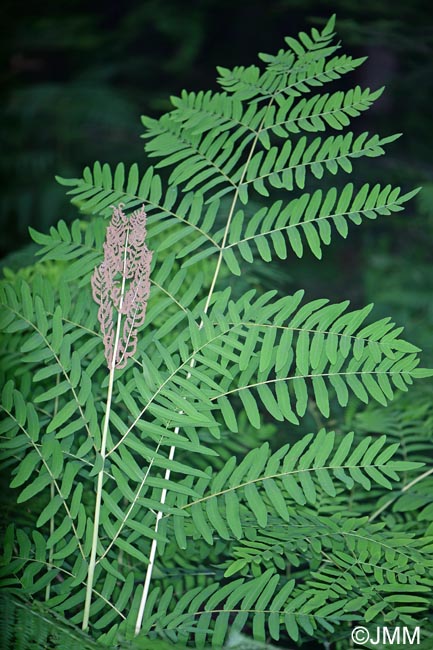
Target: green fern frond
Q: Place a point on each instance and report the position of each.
(263, 601)
(321, 345)
(333, 110)
(263, 481)
(29, 626)
(219, 145)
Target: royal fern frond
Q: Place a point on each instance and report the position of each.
(264, 483)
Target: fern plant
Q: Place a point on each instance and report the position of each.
(141, 523)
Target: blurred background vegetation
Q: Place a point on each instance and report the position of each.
(79, 75)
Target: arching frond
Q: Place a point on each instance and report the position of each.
(269, 353)
(306, 222)
(264, 602)
(264, 482)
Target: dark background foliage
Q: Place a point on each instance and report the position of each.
(79, 75)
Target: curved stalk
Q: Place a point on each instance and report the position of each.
(52, 494)
(98, 499)
(153, 547)
(402, 491)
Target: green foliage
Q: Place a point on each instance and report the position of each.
(28, 626)
(291, 515)
(25, 627)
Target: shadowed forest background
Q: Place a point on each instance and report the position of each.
(79, 76)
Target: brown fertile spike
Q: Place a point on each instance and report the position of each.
(121, 284)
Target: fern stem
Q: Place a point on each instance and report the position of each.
(159, 515)
(95, 536)
(98, 499)
(52, 493)
(153, 548)
(402, 491)
(51, 551)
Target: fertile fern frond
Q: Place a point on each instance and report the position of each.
(172, 289)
